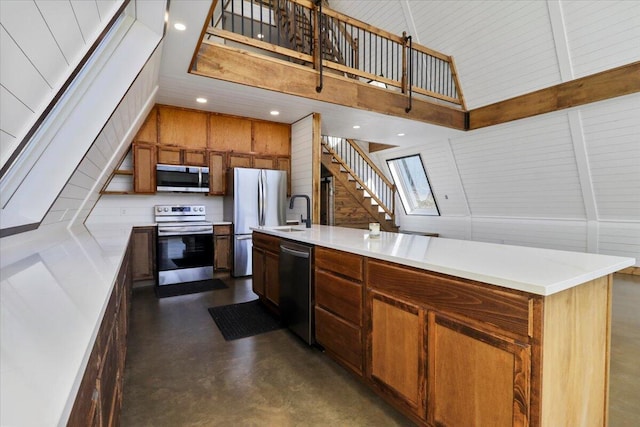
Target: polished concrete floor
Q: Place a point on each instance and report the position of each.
(181, 372)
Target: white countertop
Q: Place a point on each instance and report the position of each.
(534, 270)
(54, 287)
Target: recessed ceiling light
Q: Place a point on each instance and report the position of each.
(260, 36)
(356, 127)
(180, 27)
(201, 100)
(401, 134)
(274, 112)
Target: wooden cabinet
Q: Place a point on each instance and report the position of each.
(397, 358)
(144, 166)
(144, 253)
(339, 306)
(149, 130)
(179, 156)
(182, 128)
(238, 160)
(448, 351)
(475, 377)
(99, 398)
(270, 137)
(229, 133)
(222, 248)
(264, 162)
(265, 262)
(217, 173)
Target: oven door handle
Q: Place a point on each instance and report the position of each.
(182, 231)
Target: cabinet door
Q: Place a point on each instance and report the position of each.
(217, 175)
(397, 357)
(229, 133)
(271, 277)
(262, 162)
(144, 166)
(169, 156)
(149, 130)
(143, 253)
(271, 138)
(239, 160)
(222, 253)
(194, 157)
(258, 264)
(475, 378)
(184, 128)
(341, 339)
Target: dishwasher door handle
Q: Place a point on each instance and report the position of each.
(299, 254)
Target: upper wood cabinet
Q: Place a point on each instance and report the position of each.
(271, 138)
(169, 156)
(217, 176)
(229, 133)
(185, 128)
(144, 167)
(149, 130)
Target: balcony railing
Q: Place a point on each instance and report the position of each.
(307, 33)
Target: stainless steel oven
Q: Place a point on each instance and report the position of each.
(185, 244)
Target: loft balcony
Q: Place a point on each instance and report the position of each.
(303, 48)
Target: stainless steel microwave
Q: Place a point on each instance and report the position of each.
(182, 179)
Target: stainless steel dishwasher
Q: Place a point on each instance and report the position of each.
(296, 289)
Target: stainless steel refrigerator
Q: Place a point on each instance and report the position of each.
(255, 197)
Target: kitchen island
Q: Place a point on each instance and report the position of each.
(457, 332)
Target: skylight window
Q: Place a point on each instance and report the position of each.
(413, 185)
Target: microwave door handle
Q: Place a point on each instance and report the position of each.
(199, 178)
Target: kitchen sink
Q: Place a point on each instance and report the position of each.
(287, 229)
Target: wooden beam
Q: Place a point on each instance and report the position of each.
(376, 146)
(608, 84)
(631, 270)
(242, 67)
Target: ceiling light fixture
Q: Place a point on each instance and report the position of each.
(201, 100)
(356, 126)
(180, 27)
(401, 134)
(274, 112)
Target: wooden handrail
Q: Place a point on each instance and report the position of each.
(369, 162)
(359, 180)
(343, 27)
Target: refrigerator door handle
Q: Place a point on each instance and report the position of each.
(249, 237)
(260, 200)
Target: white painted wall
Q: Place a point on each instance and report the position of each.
(301, 167)
(42, 41)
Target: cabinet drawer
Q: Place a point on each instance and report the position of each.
(340, 296)
(267, 242)
(222, 230)
(343, 263)
(339, 338)
(508, 310)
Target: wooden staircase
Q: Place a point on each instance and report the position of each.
(356, 187)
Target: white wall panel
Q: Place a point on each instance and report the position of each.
(86, 13)
(301, 167)
(521, 169)
(563, 235)
(18, 75)
(612, 134)
(30, 31)
(64, 27)
(14, 114)
(602, 34)
(619, 238)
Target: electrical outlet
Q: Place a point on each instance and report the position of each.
(123, 211)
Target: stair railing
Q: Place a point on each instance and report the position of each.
(356, 162)
(349, 46)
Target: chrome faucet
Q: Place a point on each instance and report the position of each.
(308, 220)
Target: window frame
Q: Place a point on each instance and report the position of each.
(399, 184)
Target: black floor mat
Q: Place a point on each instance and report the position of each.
(189, 288)
(244, 320)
